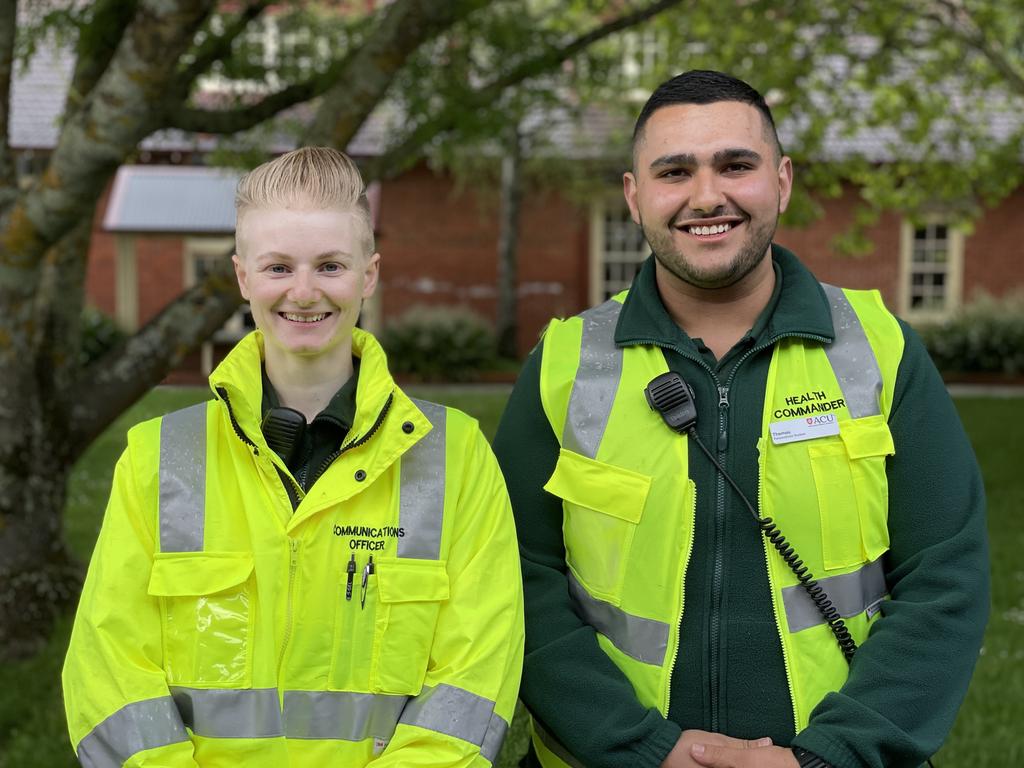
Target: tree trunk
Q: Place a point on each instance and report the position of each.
(39, 580)
(508, 243)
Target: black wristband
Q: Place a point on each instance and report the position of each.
(807, 759)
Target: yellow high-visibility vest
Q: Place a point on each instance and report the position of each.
(218, 626)
(629, 506)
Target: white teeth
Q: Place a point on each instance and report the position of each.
(716, 229)
(304, 318)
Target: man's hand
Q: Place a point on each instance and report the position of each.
(712, 755)
(681, 754)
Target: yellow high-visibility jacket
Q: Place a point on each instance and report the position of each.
(217, 627)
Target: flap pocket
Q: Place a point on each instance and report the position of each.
(179, 574)
(407, 580)
(867, 436)
(602, 487)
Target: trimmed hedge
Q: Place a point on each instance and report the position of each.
(440, 343)
(986, 336)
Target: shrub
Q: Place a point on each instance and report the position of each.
(99, 335)
(439, 343)
(987, 335)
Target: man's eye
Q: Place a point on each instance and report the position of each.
(737, 167)
(674, 173)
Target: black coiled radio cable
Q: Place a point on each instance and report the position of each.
(814, 590)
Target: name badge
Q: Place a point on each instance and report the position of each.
(806, 428)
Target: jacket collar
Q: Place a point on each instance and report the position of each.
(240, 376)
(802, 309)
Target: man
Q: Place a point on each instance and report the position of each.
(664, 628)
(312, 569)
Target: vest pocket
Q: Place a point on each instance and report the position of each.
(206, 615)
(602, 505)
(409, 594)
(853, 492)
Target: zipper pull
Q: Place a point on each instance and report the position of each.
(723, 404)
(351, 568)
(367, 570)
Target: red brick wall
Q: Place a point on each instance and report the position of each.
(439, 246)
(994, 253)
(814, 246)
(161, 272)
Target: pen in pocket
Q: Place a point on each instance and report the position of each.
(367, 570)
(351, 569)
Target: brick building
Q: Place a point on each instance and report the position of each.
(439, 244)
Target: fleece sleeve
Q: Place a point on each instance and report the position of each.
(461, 717)
(569, 684)
(119, 708)
(908, 679)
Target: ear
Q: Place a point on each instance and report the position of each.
(629, 190)
(241, 275)
(785, 183)
(371, 275)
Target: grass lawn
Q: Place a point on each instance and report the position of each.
(987, 732)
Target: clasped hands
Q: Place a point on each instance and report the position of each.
(715, 750)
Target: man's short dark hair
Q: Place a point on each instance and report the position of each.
(704, 86)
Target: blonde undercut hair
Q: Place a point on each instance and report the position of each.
(318, 177)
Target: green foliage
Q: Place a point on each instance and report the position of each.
(985, 336)
(100, 334)
(439, 343)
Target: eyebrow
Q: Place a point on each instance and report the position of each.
(721, 156)
(289, 257)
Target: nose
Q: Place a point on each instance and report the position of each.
(706, 195)
(304, 289)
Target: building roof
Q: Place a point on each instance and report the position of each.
(161, 198)
(182, 199)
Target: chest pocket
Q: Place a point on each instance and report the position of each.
(853, 492)
(602, 506)
(410, 593)
(206, 603)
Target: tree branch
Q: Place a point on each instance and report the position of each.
(126, 105)
(215, 48)
(96, 46)
(8, 27)
(126, 373)
(407, 152)
(370, 70)
(977, 36)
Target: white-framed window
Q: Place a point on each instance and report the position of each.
(931, 269)
(617, 248)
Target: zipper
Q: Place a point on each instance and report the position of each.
(776, 612)
(292, 567)
(357, 442)
(682, 596)
(299, 493)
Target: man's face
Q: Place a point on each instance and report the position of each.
(304, 273)
(707, 190)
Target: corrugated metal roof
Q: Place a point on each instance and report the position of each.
(154, 198)
(182, 199)
(37, 98)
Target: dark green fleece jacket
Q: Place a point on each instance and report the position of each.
(907, 680)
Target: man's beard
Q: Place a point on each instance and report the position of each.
(751, 251)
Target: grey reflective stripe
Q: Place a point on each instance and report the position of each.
(851, 594)
(555, 746)
(421, 497)
(459, 713)
(183, 479)
(853, 361)
(230, 713)
(643, 639)
(597, 381)
(341, 715)
(137, 726)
